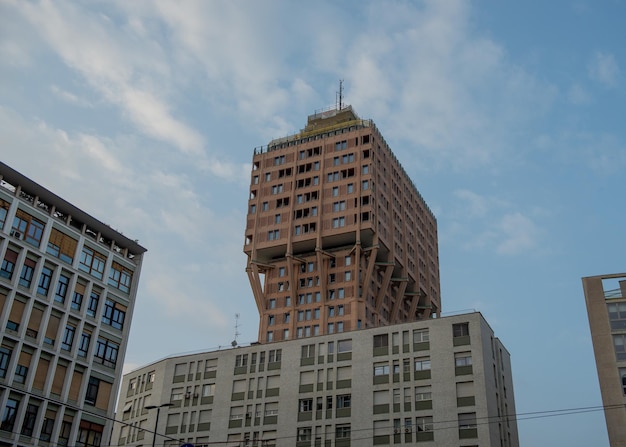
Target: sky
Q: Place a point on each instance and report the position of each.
(508, 116)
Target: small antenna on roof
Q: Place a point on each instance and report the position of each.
(340, 102)
(234, 342)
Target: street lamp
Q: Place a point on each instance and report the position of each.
(156, 423)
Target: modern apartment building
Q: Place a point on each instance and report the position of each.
(67, 294)
(606, 307)
(444, 381)
(338, 237)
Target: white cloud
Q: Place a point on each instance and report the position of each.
(519, 234)
(604, 69)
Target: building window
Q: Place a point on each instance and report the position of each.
(265, 206)
(381, 341)
(92, 308)
(340, 293)
(92, 262)
(340, 310)
(83, 348)
(4, 208)
(347, 276)
(270, 320)
(26, 277)
(252, 209)
(21, 371)
(304, 434)
(89, 434)
(617, 315)
(8, 418)
(61, 290)
(5, 357)
(366, 169)
(342, 431)
(339, 326)
(331, 328)
(339, 222)
(273, 235)
(29, 420)
(350, 188)
(44, 281)
(619, 342)
(467, 421)
(365, 185)
(120, 277)
(381, 369)
(305, 405)
(421, 336)
(460, 329)
(272, 303)
(281, 271)
(106, 352)
(68, 337)
(8, 264)
(28, 228)
(335, 191)
(422, 364)
(424, 423)
(423, 393)
(462, 359)
(114, 314)
(77, 300)
(344, 401)
(61, 246)
(340, 145)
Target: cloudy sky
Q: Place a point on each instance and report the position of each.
(509, 117)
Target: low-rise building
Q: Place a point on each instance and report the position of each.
(444, 381)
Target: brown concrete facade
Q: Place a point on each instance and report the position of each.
(338, 238)
(605, 296)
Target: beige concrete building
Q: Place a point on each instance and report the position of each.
(67, 294)
(606, 306)
(338, 237)
(444, 381)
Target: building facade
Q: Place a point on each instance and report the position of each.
(605, 296)
(67, 293)
(444, 381)
(338, 237)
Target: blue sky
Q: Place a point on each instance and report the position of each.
(509, 117)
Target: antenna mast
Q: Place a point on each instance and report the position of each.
(237, 334)
(340, 104)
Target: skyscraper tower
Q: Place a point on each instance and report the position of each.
(338, 237)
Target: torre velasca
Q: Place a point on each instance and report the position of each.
(338, 237)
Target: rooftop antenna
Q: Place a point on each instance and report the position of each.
(340, 102)
(237, 334)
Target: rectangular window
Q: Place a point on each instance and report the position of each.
(335, 191)
(27, 228)
(424, 423)
(5, 357)
(8, 264)
(381, 369)
(29, 420)
(342, 431)
(462, 359)
(120, 277)
(422, 364)
(460, 330)
(344, 401)
(68, 338)
(92, 262)
(61, 246)
(92, 391)
(8, 417)
(106, 352)
(44, 281)
(423, 393)
(92, 308)
(77, 297)
(114, 314)
(26, 277)
(420, 336)
(83, 348)
(4, 209)
(61, 290)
